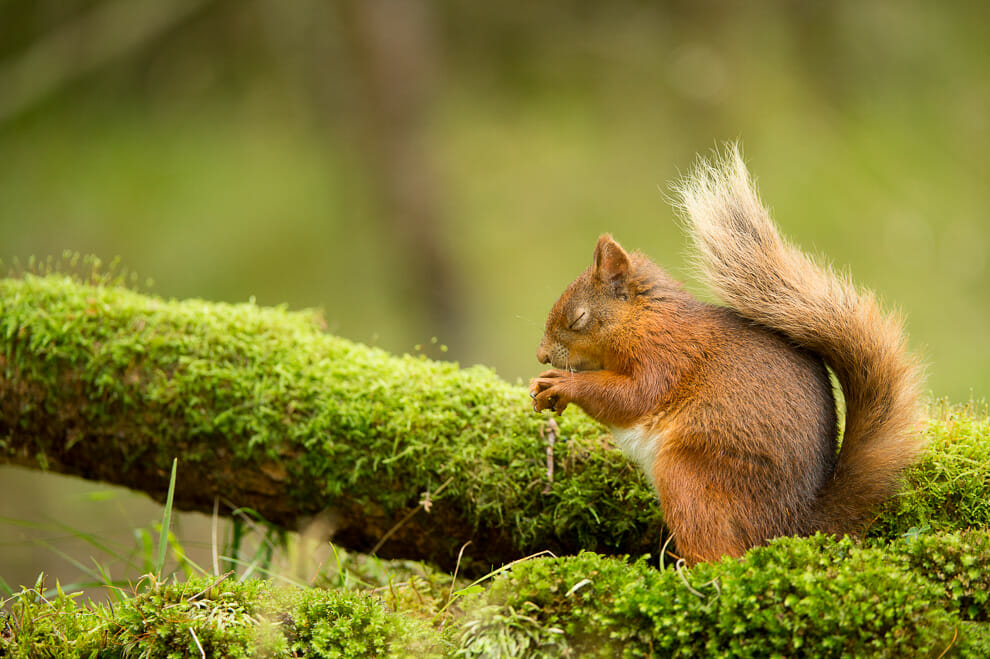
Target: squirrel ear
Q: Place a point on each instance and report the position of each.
(611, 261)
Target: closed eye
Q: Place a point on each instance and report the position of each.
(577, 321)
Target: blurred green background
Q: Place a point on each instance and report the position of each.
(441, 170)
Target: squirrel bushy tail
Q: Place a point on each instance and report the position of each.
(770, 282)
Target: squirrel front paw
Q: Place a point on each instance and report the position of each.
(547, 391)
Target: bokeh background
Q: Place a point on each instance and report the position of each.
(432, 174)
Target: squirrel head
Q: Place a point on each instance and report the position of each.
(590, 324)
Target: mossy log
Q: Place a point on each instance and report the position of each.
(265, 410)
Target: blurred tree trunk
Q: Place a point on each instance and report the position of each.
(390, 48)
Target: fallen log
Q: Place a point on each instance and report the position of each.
(405, 456)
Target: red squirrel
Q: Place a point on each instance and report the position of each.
(729, 410)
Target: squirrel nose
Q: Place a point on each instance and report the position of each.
(542, 354)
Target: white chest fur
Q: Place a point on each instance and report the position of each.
(640, 445)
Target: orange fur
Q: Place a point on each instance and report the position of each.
(730, 410)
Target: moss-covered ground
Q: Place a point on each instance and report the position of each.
(102, 381)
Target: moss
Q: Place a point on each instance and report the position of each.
(175, 620)
(796, 597)
(50, 627)
(336, 625)
(263, 406)
(221, 618)
(949, 488)
(958, 562)
(974, 640)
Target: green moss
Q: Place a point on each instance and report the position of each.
(50, 627)
(974, 640)
(949, 488)
(119, 383)
(958, 562)
(796, 597)
(221, 618)
(333, 624)
(176, 620)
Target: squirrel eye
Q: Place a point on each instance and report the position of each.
(579, 321)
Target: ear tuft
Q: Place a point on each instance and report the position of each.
(611, 261)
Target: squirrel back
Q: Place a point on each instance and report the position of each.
(730, 410)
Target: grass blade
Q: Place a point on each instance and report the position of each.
(166, 522)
